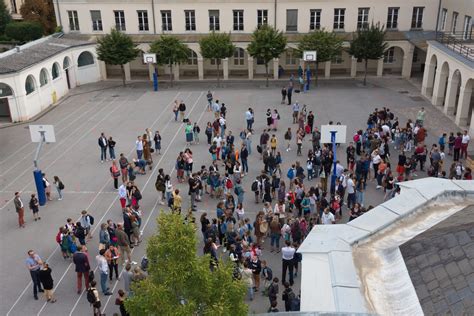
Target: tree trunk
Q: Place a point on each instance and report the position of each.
(365, 74)
(315, 76)
(123, 74)
(171, 74)
(266, 71)
(218, 73)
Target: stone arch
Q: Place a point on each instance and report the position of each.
(55, 71)
(67, 62)
(429, 76)
(190, 67)
(44, 77)
(6, 93)
(394, 59)
(84, 59)
(452, 92)
(30, 84)
(440, 84)
(464, 105)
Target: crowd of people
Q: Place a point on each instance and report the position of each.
(314, 190)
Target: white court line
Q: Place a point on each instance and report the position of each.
(67, 192)
(149, 177)
(56, 123)
(73, 133)
(56, 132)
(106, 183)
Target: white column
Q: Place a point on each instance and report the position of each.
(225, 68)
(176, 72)
(103, 70)
(428, 79)
(353, 67)
(451, 91)
(380, 67)
(471, 127)
(151, 70)
(408, 62)
(463, 106)
(200, 68)
(250, 65)
(276, 63)
(439, 88)
(126, 68)
(327, 69)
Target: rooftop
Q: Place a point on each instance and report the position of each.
(34, 52)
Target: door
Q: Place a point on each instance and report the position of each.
(5, 110)
(67, 79)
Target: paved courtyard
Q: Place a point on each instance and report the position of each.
(124, 113)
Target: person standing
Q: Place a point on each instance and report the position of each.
(196, 131)
(160, 185)
(283, 95)
(81, 260)
(288, 254)
(120, 302)
(103, 143)
(47, 187)
(122, 191)
(34, 263)
(182, 110)
(47, 281)
(20, 209)
(157, 140)
(209, 100)
(249, 117)
(464, 143)
(139, 147)
(457, 146)
(112, 255)
(115, 173)
(103, 271)
(34, 206)
(111, 144)
(244, 154)
(95, 300)
(86, 221)
(123, 242)
(420, 117)
(123, 163)
(59, 187)
(289, 93)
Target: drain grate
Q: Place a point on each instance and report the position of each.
(403, 92)
(416, 99)
(115, 96)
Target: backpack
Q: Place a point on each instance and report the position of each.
(91, 275)
(91, 296)
(255, 186)
(171, 201)
(356, 138)
(91, 219)
(61, 185)
(295, 304)
(259, 149)
(269, 273)
(290, 174)
(228, 184)
(144, 264)
(58, 238)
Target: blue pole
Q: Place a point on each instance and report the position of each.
(333, 176)
(38, 175)
(155, 81)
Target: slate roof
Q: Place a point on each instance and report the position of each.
(35, 53)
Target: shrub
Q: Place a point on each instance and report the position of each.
(24, 31)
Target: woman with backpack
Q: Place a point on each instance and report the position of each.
(208, 133)
(59, 187)
(115, 173)
(34, 206)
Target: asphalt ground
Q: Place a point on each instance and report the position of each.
(124, 113)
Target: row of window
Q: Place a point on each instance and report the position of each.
(466, 33)
(238, 19)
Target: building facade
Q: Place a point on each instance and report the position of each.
(13, 6)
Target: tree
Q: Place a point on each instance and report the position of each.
(216, 46)
(24, 31)
(267, 43)
(169, 50)
(369, 44)
(40, 11)
(179, 281)
(117, 48)
(327, 45)
(5, 17)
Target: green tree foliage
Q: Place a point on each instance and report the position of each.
(40, 11)
(267, 43)
(5, 17)
(117, 48)
(179, 281)
(216, 46)
(24, 31)
(169, 50)
(327, 45)
(369, 44)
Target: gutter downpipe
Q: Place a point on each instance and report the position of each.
(437, 19)
(153, 12)
(275, 14)
(59, 14)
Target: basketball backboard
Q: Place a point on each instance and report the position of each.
(149, 58)
(310, 55)
(37, 130)
(340, 133)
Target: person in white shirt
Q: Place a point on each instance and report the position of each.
(139, 147)
(328, 218)
(287, 255)
(104, 271)
(122, 192)
(351, 195)
(376, 160)
(464, 143)
(249, 118)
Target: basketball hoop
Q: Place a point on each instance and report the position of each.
(310, 55)
(149, 58)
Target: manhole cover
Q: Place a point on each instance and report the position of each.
(403, 92)
(416, 99)
(115, 96)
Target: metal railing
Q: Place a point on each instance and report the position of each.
(459, 42)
